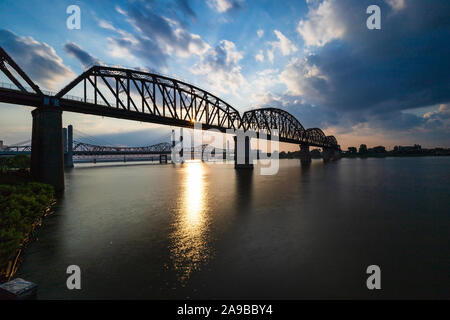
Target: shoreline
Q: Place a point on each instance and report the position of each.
(380, 156)
(24, 205)
(13, 265)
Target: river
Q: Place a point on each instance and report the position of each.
(146, 231)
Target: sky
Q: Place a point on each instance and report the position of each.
(315, 59)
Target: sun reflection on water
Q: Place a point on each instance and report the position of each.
(190, 243)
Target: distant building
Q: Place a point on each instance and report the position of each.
(363, 148)
(378, 149)
(352, 150)
(403, 149)
(1, 144)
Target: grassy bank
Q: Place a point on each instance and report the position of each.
(23, 203)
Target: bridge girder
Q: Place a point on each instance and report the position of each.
(267, 120)
(315, 136)
(89, 149)
(153, 94)
(142, 96)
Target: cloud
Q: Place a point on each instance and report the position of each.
(106, 25)
(355, 82)
(39, 60)
(396, 4)
(309, 116)
(257, 92)
(222, 6)
(443, 113)
(260, 56)
(84, 57)
(159, 34)
(260, 33)
(323, 24)
(303, 78)
(270, 55)
(221, 67)
(365, 74)
(283, 44)
(439, 119)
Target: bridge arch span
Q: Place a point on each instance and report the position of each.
(151, 94)
(332, 140)
(315, 136)
(265, 120)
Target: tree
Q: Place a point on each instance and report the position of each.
(362, 149)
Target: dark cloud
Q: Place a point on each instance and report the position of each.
(309, 116)
(84, 57)
(37, 59)
(374, 73)
(160, 32)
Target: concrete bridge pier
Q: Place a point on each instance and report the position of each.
(242, 153)
(47, 155)
(162, 158)
(68, 146)
(327, 154)
(64, 144)
(305, 155)
(337, 154)
(224, 148)
(182, 146)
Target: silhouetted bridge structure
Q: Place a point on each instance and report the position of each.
(145, 97)
(87, 149)
(82, 149)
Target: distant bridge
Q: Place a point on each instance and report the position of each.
(146, 97)
(82, 148)
(86, 149)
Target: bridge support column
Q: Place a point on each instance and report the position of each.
(68, 147)
(162, 158)
(64, 144)
(337, 154)
(242, 159)
(172, 155)
(47, 154)
(182, 146)
(192, 149)
(327, 154)
(305, 155)
(224, 147)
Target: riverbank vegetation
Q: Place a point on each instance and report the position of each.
(23, 202)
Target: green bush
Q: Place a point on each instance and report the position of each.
(20, 161)
(20, 207)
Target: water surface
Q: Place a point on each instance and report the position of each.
(209, 231)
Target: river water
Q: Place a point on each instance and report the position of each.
(142, 231)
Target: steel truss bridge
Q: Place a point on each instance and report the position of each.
(86, 149)
(148, 97)
(81, 148)
(145, 97)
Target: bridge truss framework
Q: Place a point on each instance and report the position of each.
(141, 96)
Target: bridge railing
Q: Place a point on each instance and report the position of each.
(12, 86)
